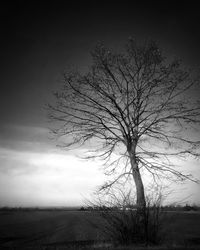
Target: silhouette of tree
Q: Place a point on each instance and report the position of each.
(134, 109)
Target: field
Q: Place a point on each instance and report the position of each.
(60, 229)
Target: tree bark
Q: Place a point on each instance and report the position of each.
(140, 199)
(140, 202)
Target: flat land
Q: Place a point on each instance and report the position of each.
(60, 229)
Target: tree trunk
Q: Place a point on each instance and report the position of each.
(141, 203)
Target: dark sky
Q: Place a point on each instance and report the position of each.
(37, 42)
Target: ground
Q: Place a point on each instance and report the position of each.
(60, 229)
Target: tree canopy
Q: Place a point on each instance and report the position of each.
(134, 108)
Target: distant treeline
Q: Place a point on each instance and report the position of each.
(186, 207)
(162, 208)
(5, 208)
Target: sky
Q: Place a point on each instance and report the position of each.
(38, 42)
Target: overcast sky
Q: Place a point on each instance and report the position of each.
(38, 41)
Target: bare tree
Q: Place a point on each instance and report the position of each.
(134, 110)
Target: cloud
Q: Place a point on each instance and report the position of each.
(27, 138)
(34, 172)
(33, 178)
(13, 162)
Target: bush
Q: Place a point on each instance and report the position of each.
(124, 225)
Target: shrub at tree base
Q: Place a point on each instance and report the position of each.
(125, 227)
